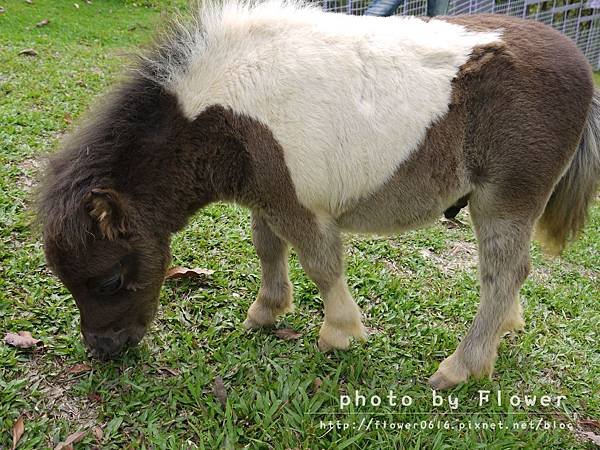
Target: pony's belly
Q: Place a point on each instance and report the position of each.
(417, 195)
(380, 217)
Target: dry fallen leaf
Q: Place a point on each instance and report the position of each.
(453, 223)
(94, 397)
(185, 272)
(71, 439)
(76, 5)
(43, 23)
(590, 423)
(21, 340)
(219, 391)
(28, 52)
(593, 437)
(287, 334)
(316, 385)
(29, 2)
(68, 118)
(169, 370)
(18, 430)
(2, 10)
(98, 433)
(78, 368)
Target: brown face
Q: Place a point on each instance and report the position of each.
(115, 280)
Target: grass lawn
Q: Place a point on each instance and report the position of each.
(418, 291)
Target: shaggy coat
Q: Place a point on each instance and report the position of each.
(321, 123)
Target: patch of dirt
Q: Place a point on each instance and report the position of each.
(543, 275)
(58, 135)
(14, 241)
(540, 275)
(30, 172)
(54, 395)
(459, 256)
(550, 377)
(588, 434)
(456, 223)
(402, 271)
(591, 274)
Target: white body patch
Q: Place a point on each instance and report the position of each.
(348, 98)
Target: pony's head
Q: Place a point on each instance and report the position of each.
(114, 273)
(125, 181)
(107, 212)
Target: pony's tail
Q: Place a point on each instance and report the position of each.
(567, 210)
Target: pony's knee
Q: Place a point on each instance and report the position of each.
(269, 247)
(276, 296)
(324, 270)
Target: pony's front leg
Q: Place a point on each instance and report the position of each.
(321, 257)
(275, 294)
(503, 264)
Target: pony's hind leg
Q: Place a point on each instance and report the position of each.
(504, 264)
(275, 294)
(321, 258)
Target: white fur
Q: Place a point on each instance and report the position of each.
(348, 98)
(342, 318)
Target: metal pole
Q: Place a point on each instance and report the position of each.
(437, 7)
(383, 8)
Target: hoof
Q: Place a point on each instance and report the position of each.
(361, 333)
(250, 324)
(450, 373)
(325, 346)
(519, 325)
(440, 382)
(331, 338)
(260, 316)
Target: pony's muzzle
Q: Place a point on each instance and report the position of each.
(107, 345)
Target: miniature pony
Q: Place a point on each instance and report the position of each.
(322, 123)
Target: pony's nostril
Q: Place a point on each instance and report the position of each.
(107, 345)
(103, 341)
(102, 346)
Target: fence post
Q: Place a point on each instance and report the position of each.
(437, 7)
(383, 8)
(388, 7)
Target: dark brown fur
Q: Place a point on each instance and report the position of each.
(130, 177)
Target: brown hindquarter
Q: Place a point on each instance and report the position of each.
(514, 123)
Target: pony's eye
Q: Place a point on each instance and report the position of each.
(110, 284)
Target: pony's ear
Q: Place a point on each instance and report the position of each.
(108, 210)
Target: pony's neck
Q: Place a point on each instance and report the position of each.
(208, 162)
